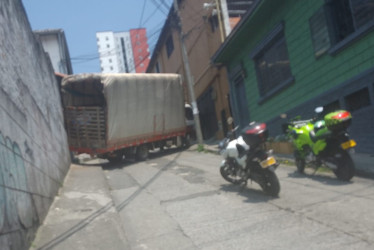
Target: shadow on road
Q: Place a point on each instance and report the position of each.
(252, 195)
(106, 165)
(324, 179)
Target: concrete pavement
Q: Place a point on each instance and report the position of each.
(83, 215)
(87, 212)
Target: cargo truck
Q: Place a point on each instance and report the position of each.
(120, 115)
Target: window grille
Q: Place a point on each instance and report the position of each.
(340, 22)
(358, 100)
(272, 63)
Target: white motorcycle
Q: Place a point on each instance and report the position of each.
(246, 158)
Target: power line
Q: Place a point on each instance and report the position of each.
(158, 6)
(165, 4)
(151, 15)
(94, 56)
(141, 16)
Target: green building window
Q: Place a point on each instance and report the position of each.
(331, 107)
(358, 100)
(272, 64)
(340, 22)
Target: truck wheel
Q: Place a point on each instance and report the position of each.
(115, 159)
(187, 141)
(142, 153)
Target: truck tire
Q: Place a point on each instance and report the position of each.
(142, 153)
(187, 141)
(115, 159)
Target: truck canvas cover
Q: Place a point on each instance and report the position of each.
(124, 108)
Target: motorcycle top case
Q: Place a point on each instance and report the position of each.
(338, 120)
(255, 133)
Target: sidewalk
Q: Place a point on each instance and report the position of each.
(83, 215)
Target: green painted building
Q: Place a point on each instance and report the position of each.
(291, 56)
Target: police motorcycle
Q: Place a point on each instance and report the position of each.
(246, 158)
(323, 141)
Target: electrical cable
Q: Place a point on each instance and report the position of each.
(158, 6)
(141, 16)
(104, 54)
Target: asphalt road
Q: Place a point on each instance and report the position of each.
(178, 200)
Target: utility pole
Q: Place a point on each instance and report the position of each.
(189, 78)
(219, 12)
(218, 6)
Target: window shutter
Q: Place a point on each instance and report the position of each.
(320, 32)
(362, 11)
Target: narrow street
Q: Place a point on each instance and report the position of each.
(180, 201)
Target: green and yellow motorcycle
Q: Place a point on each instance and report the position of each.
(323, 141)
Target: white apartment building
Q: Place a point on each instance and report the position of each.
(115, 51)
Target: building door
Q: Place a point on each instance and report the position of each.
(241, 102)
(225, 126)
(207, 114)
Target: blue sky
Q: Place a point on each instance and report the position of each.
(81, 19)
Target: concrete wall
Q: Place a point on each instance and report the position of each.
(34, 155)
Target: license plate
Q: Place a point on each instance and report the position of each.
(268, 162)
(348, 144)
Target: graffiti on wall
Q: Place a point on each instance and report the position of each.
(16, 206)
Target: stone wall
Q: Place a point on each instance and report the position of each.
(34, 155)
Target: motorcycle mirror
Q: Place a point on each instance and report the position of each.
(319, 110)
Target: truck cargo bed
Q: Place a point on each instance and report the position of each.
(105, 113)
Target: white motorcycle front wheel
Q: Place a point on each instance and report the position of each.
(230, 173)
